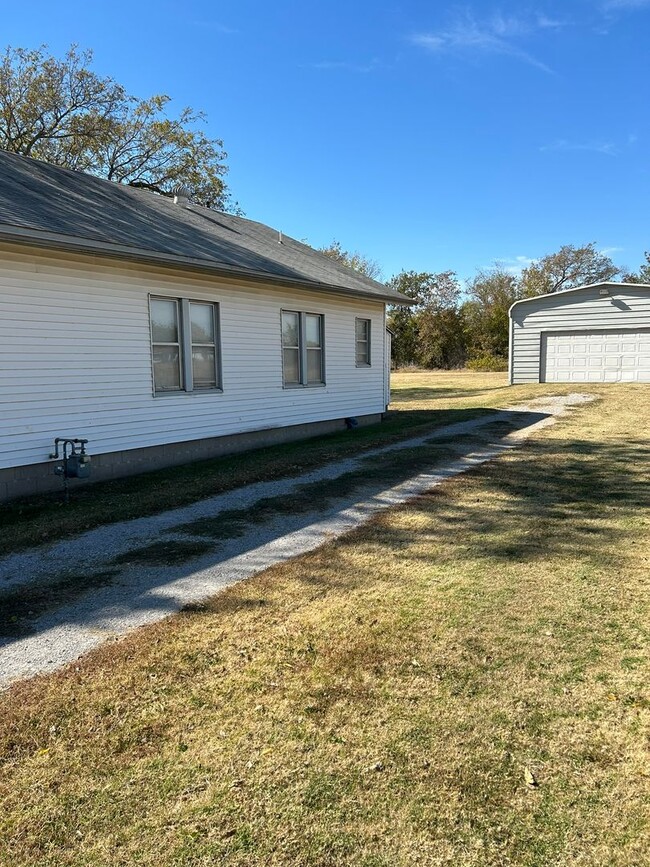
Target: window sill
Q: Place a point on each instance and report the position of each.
(365, 364)
(198, 391)
(299, 385)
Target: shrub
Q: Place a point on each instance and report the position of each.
(490, 363)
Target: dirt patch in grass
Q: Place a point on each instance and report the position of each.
(19, 607)
(383, 700)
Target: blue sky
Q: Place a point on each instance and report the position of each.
(427, 135)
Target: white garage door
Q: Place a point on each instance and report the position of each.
(596, 356)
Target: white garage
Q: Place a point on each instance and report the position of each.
(598, 333)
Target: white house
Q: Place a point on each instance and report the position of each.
(163, 332)
(598, 333)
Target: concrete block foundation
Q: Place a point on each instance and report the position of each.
(39, 478)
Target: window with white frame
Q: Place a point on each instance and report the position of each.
(184, 345)
(303, 355)
(362, 342)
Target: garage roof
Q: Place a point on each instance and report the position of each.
(605, 284)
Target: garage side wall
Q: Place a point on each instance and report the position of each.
(624, 308)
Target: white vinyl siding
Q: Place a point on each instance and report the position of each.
(76, 357)
(626, 309)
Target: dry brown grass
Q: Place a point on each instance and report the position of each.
(379, 701)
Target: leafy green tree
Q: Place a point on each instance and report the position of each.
(356, 261)
(485, 314)
(402, 321)
(62, 112)
(441, 339)
(570, 266)
(430, 333)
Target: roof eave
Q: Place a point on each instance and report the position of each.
(75, 244)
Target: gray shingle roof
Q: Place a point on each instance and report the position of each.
(55, 207)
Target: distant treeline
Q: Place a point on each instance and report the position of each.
(449, 327)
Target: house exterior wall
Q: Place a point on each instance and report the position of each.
(625, 308)
(75, 357)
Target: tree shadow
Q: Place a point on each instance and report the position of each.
(563, 498)
(234, 543)
(555, 497)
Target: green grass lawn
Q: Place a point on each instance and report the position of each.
(463, 681)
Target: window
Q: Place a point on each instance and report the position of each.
(166, 346)
(362, 342)
(184, 345)
(204, 345)
(303, 360)
(314, 344)
(291, 348)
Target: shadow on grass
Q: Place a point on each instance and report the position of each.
(550, 501)
(232, 533)
(561, 497)
(31, 521)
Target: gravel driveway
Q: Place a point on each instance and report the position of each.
(136, 584)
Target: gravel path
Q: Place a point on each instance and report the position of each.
(142, 594)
